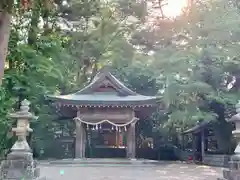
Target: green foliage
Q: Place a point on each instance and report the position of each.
(189, 62)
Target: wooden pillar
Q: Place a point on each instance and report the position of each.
(128, 151)
(206, 143)
(206, 140)
(194, 147)
(131, 141)
(202, 144)
(182, 142)
(84, 141)
(121, 139)
(117, 138)
(80, 140)
(88, 143)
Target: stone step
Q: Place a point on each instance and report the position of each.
(101, 161)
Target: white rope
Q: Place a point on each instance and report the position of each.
(105, 120)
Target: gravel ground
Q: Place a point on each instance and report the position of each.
(168, 171)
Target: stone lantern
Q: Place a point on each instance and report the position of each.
(236, 133)
(21, 147)
(19, 163)
(233, 173)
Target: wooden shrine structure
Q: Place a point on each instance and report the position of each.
(105, 104)
(200, 133)
(204, 142)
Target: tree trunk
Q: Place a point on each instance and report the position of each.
(5, 20)
(32, 34)
(223, 134)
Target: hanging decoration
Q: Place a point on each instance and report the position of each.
(98, 125)
(106, 121)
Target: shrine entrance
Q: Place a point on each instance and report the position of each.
(106, 142)
(99, 136)
(105, 116)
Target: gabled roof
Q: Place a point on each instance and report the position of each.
(104, 74)
(88, 96)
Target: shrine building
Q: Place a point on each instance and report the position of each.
(107, 108)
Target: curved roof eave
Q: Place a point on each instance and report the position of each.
(103, 100)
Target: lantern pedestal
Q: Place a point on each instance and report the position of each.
(233, 173)
(19, 164)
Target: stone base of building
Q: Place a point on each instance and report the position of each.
(216, 160)
(19, 165)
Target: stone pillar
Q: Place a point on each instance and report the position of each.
(233, 173)
(19, 163)
(80, 140)
(131, 141)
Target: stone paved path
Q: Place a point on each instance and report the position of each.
(168, 171)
